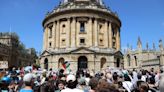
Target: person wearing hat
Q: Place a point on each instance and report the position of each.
(5, 81)
(82, 85)
(28, 81)
(71, 84)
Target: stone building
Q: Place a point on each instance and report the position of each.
(144, 58)
(8, 51)
(84, 32)
(12, 51)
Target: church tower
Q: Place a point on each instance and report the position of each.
(139, 44)
(160, 45)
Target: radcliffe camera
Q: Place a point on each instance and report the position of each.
(81, 46)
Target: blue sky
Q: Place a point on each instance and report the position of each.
(144, 18)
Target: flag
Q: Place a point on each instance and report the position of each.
(66, 64)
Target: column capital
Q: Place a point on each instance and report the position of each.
(57, 20)
(90, 19)
(72, 17)
(68, 18)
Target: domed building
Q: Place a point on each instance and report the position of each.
(84, 33)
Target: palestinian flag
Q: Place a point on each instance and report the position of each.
(66, 64)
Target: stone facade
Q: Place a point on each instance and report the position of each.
(144, 58)
(10, 51)
(83, 32)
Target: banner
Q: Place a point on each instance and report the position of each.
(3, 64)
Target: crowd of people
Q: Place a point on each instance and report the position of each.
(107, 80)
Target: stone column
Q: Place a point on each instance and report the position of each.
(106, 35)
(57, 34)
(110, 35)
(89, 32)
(54, 35)
(68, 33)
(77, 30)
(46, 38)
(161, 61)
(73, 29)
(96, 32)
(118, 39)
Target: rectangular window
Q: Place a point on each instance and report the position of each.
(82, 41)
(101, 42)
(63, 29)
(128, 56)
(113, 32)
(50, 44)
(50, 32)
(63, 42)
(114, 44)
(135, 60)
(82, 27)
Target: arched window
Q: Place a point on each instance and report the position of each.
(82, 63)
(128, 59)
(60, 62)
(103, 61)
(46, 63)
(118, 62)
(82, 27)
(113, 32)
(50, 31)
(135, 60)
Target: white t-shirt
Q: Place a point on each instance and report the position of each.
(143, 78)
(72, 90)
(87, 80)
(127, 85)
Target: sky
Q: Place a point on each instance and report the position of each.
(140, 18)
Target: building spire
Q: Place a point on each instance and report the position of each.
(154, 46)
(100, 2)
(139, 44)
(65, 1)
(147, 46)
(160, 45)
(131, 47)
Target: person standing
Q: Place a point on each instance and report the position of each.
(60, 85)
(28, 81)
(71, 84)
